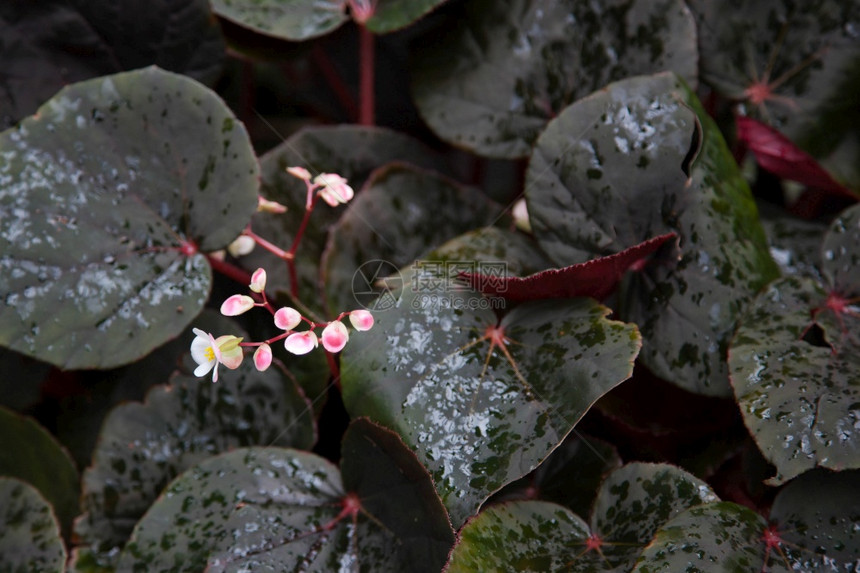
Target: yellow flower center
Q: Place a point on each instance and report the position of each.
(209, 353)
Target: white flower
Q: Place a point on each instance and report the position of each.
(209, 352)
(334, 189)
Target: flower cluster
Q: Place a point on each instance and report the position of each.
(331, 187)
(208, 352)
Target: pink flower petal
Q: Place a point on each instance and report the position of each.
(301, 342)
(258, 281)
(335, 336)
(237, 304)
(263, 357)
(287, 318)
(361, 319)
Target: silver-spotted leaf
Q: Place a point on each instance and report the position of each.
(31, 540)
(293, 20)
(495, 79)
(108, 192)
(638, 159)
(482, 401)
(143, 446)
(391, 15)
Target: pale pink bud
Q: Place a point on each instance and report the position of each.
(334, 188)
(266, 206)
(263, 357)
(287, 318)
(301, 342)
(258, 281)
(335, 336)
(236, 305)
(520, 213)
(361, 319)
(241, 246)
(299, 172)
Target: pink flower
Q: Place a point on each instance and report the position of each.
(287, 318)
(208, 352)
(301, 342)
(335, 336)
(236, 305)
(263, 357)
(299, 172)
(334, 188)
(258, 281)
(361, 319)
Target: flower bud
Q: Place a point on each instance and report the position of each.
(299, 172)
(258, 281)
(236, 305)
(241, 246)
(335, 336)
(301, 342)
(361, 319)
(334, 189)
(287, 318)
(266, 206)
(263, 357)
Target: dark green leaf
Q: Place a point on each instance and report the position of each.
(277, 509)
(52, 43)
(142, 447)
(31, 454)
(350, 151)
(721, 536)
(524, 536)
(108, 192)
(795, 244)
(798, 394)
(817, 519)
(841, 254)
(31, 539)
(493, 82)
(294, 20)
(391, 15)
(795, 64)
(639, 159)
(400, 214)
(482, 402)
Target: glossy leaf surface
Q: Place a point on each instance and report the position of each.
(391, 15)
(350, 151)
(293, 20)
(129, 174)
(31, 454)
(31, 538)
(482, 404)
(143, 446)
(493, 82)
(637, 160)
(44, 41)
(401, 213)
(272, 508)
(794, 65)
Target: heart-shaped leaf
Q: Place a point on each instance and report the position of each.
(142, 447)
(793, 65)
(493, 82)
(350, 151)
(401, 213)
(777, 154)
(391, 15)
(31, 454)
(108, 192)
(596, 278)
(482, 402)
(31, 535)
(293, 20)
(44, 43)
(272, 508)
(640, 159)
(794, 362)
(633, 502)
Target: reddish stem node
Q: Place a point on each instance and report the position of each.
(593, 543)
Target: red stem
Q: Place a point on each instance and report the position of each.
(366, 79)
(333, 79)
(230, 271)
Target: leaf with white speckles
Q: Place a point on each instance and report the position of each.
(278, 509)
(482, 402)
(293, 20)
(632, 503)
(105, 193)
(638, 159)
(31, 535)
(795, 362)
(494, 80)
(143, 446)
